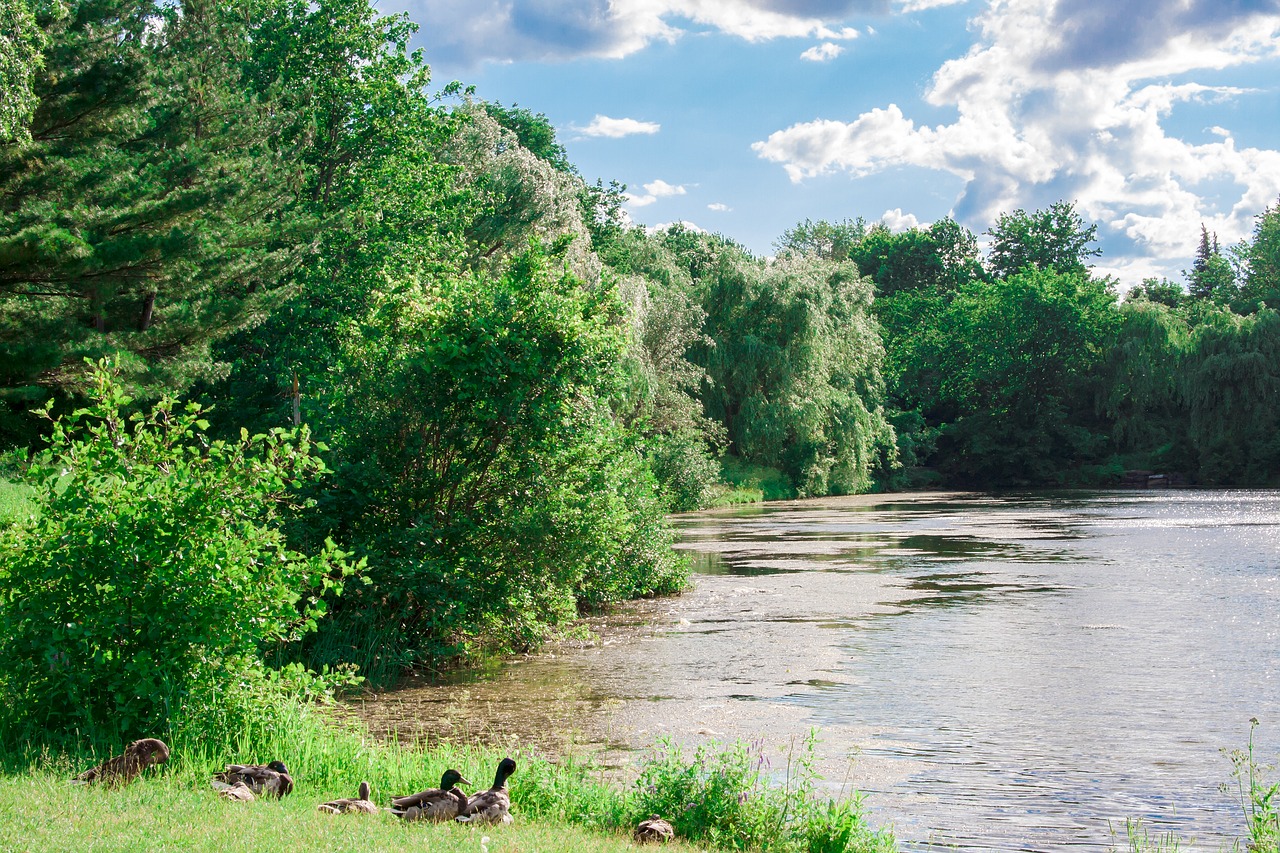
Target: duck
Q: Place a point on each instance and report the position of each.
(443, 803)
(654, 830)
(239, 792)
(351, 805)
(124, 768)
(262, 779)
(493, 805)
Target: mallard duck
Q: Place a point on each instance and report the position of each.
(239, 792)
(654, 830)
(443, 803)
(493, 805)
(123, 769)
(263, 779)
(351, 805)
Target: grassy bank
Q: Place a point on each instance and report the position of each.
(717, 798)
(43, 812)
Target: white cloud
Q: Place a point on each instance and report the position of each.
(897, 221)
(616, 128)
(1043, 113)
(824, 52)
(719, 207)
(663, 226)
(461, 33)
(654, 190)
(919, 5)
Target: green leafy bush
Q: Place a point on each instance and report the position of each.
(724, 798)
(684, 469)
(153, 571)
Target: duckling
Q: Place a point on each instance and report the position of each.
(655, 829)
(493, 805)
(261, 779)
(443, 803)
(356, 805)
(123, 769)
(239, 792)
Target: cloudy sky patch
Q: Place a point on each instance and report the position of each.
(1153, 116)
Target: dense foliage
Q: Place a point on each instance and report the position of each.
(151, 569)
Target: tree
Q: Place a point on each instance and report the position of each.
(1211, 277)
(21, 40)
(143, 219)
(1052, 239)
(831, 241)
(941, 258)
(1016, 363)
(534, 131)
(1262, 280)
(795, 366)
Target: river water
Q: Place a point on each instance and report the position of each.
(1018, 672)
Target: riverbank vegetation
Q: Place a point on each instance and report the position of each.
(313, 370)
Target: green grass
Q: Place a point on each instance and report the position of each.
(42, 811)
(14, 501)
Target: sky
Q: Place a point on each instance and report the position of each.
(747, 117)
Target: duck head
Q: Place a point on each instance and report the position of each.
(505, 768)
(149, 751)
(450, 778)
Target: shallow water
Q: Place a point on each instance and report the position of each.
(1007, 673)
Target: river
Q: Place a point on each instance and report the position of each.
(1019, 672)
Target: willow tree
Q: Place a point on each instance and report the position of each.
(1231, 382)
(1140, 391)
(794, 372)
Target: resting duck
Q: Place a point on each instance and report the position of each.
(443, 803)
(655, 829)
(493, 805)
(351, 805)
(262, 779)
(123, 769)
(239, 792)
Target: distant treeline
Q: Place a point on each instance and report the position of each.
(263, 207)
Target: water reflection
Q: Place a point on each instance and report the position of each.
(1011, 672)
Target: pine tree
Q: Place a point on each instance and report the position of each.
(141, 219)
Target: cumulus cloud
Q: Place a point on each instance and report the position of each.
(663, 226)
(616, 128)
(897, 221)
(653, 191)
(1040, 117)
(824, 52)
(719, 207)
(462, 33)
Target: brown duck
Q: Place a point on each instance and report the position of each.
(493, 805)
(443, 803)
(271, 779)
(654, 830)
(351, 805)
(123, 769)
(239, 792)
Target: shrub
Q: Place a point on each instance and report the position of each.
(152, 572)
(724, 798)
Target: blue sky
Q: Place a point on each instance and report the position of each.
(745, 117)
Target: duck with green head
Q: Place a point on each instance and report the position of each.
(443, 803)
(270, 779)
(493, 805)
